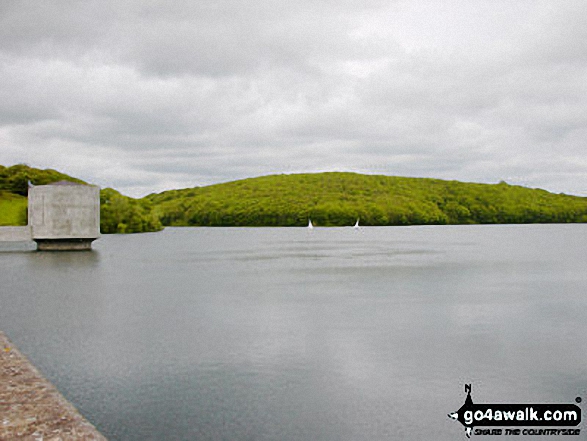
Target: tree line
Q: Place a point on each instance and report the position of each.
(338, 199)
(328, 199)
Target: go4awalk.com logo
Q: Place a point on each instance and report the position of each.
(518, 419)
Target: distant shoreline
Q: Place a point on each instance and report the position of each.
(334, 199)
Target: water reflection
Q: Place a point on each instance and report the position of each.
(281, 334)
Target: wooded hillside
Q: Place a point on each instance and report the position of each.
(338, 199)
(329, 199)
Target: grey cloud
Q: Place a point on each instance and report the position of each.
(187, 93)
(184, 37)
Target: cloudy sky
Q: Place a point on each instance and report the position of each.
(149, 95)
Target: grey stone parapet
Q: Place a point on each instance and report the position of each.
(31, 408)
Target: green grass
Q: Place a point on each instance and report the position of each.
(12, 209)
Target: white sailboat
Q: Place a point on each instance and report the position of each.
(310, 224)
(356, 227)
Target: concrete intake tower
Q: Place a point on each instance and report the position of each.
(64, 215)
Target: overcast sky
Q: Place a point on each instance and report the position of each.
(150, 95)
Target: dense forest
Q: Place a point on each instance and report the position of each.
(339, 199)
(118, 213)
(328, 199)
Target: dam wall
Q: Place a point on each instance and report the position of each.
(31, 407)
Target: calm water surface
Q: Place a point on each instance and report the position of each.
(296, 334)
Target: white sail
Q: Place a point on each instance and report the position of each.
(357, 224)
(310, 224)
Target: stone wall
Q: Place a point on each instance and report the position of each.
(31, 407)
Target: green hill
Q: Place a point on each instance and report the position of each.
(338, 199)
(118, 213)
(329, 199)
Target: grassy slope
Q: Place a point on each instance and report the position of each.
(341, 198)
(12, 209)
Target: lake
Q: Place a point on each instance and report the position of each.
(297, 334)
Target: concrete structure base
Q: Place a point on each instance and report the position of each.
(64, 244)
